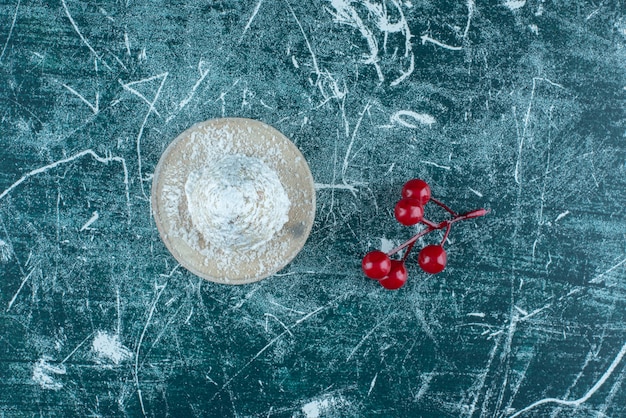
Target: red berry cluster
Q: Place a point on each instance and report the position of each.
(392, 274)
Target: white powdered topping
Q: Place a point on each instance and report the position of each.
(237, 202)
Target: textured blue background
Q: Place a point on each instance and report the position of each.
(518, 106)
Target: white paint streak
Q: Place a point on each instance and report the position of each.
(520, 310)
(400, 116)
(128, 87)
(426, 38)
(254, 13)
(94, 107)
(444, 167)
(522, 137)
(10, 30)
(372, 384)
(561, 216)
(246, 297)
(76, 348)
(91, 220)
(425, 386)
(527, 316)
(117, 309)
(30, 273)
(151, 109)
(586, 396)
(104, 160)
(471, 5)
(482, 379)
(286, 308)
(346, 159)
(109, 347)
(269, 344)
(143, 334)
(365, 337)
(517, 175)
(322, 186)
(127, 43)
(203, 74)
(269, 315)
(307, 316)
(401, 26)
(346, 14)
(405, 74)
(599, 278)
(308, 44)
(189, 316)
(476, 192)
(93, 51)
(106, 14)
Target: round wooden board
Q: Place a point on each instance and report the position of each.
(203, 144)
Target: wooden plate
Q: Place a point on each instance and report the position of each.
(205, 144)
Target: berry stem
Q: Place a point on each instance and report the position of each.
(408, 251)
(470, 215)
(445, 235)
(431, 226)
(410, 241)
(444, 206)
(476, 213)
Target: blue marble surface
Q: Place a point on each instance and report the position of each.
(516, 106)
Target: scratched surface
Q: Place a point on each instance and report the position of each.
(517, 106)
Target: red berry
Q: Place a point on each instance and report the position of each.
(409, 211)
(432, 259)
(397, 276)
(417, 189)
(376, 265)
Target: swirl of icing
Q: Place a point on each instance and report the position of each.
(237, 203)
